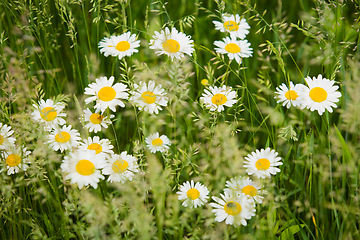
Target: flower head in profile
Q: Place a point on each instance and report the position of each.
(49, 113)
(119, 46)
(194, 194)
(262, 163)
(121, 168)
(64, 138)
(157, 143)
(100, 146)
(16, 159)
(149, 97)
(218, 97)
(233, 24)
(322, 94)
(106, 94)
(6, 141)
(172, 43)
(244, 185)
(234, 209)
(237, 49)
(289, 96)
(96, 120)
(82, 167)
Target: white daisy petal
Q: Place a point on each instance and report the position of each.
(237, 49)
(289, 96)
(64, 138)
(172, 43)
(6, 141)
(194, 195)
(157, 143)
(49, 113)
(216, 98)
(233, 24)
(119, 46)
(321, 94)
(244, 185)
(120, 168)
(16, 159)
(106, 95)
(95, 121)
(262, 163)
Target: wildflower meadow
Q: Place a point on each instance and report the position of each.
(188, 119)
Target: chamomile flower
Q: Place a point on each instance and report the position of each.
(5, 136)
(16, 159)
(233, 24)
(49, 113)
(322, 94)
(64, 138)
(218, 97)
(234, 209)
(148, 97)
(289, 96)
(82, 167)
(172, 43)
(237, 49)
(105, 94)
(100, 146)
(194, 194)
(121, 167)
(244, 185)
(262, 163)
(157, 143)
(96, 120)
(120, 46)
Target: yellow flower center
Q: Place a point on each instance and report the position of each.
(193, 193)
(250, 191)
(291, 95)
(85, 167)
(232, 48)
(204, 82)
(96, 118)
(120, 166)
(106, 94)
(232, 208)
(148, 97)
(48, 113)
(262, 164)
(219, 99)
(95, 146)
(231, 26)
(123, 46)
(157, 142)
(13, 160)
(62, 137)
(1, 139)
(171, 46)
(318, 94)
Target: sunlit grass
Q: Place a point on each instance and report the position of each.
(49, 49)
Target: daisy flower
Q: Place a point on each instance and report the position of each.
(105, 94)
(101, 147)
(262, 163)
(234, 209)
(217, 98)
(157, 143)
(244, 185)
(194, 194)
(120, 46)
(82, 167)
(96, 120)
(148, 97)
(120, 167)
(233, 24)
(174, 43)
(320, 95)
(5, 136)
(289, 96)
(16, 159)
(64, 138)
(49, 113)
(237, 49)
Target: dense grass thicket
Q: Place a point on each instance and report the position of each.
(49, 50)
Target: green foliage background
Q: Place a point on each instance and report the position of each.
(49, 48)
